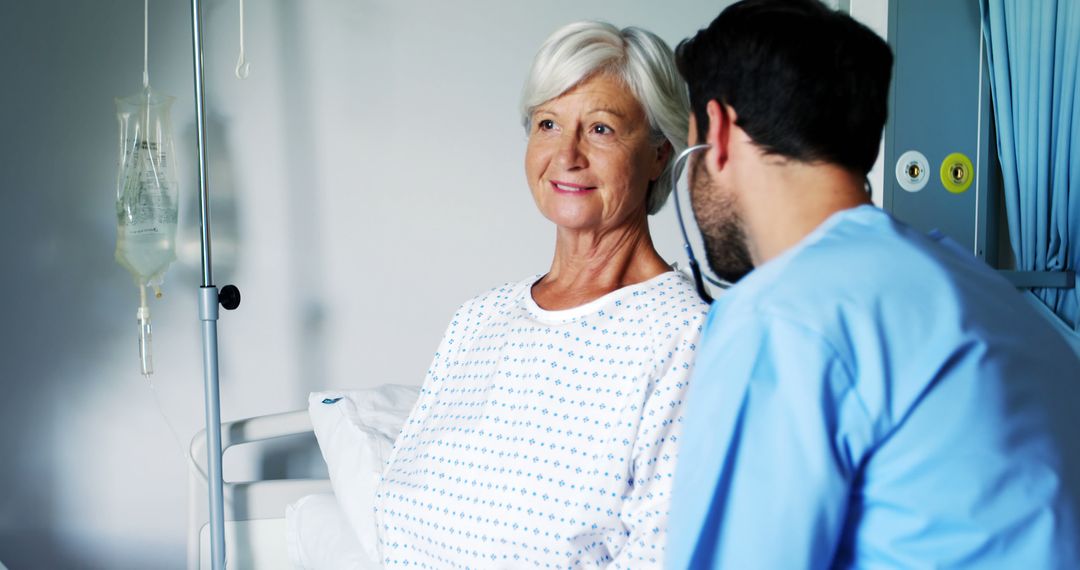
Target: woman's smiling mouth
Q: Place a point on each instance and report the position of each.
(569, 188)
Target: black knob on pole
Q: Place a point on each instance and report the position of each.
(229, 297)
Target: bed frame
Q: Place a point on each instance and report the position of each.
(254, 510)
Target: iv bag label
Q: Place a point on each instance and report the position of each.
(146, 204)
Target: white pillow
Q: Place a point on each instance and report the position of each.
(356, 430)
(320, 538)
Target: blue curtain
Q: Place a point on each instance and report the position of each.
(1033, 47)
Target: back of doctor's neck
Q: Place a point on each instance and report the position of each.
(783, 201)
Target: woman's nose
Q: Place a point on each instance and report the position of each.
(570, 153)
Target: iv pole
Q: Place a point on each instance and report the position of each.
(208, 314)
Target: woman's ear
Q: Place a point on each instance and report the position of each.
(663, 153)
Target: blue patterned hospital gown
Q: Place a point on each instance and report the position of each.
(545, 439)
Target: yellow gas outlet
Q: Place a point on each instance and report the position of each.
(957, 173)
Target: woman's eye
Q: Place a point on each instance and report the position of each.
(545, 125)
(601, 129)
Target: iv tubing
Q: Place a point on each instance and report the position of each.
(146, 45)
(208, 315)
(143, 318)
(242, 66)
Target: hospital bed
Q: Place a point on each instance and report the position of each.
(271, 523)
(255, 527)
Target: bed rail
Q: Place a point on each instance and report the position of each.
(246, 500)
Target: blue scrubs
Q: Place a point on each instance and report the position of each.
(875, 398)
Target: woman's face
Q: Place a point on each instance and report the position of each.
(589, 160)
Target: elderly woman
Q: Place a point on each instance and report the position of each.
(546, 430)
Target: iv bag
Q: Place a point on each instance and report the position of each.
(146, 200)
(146, 187)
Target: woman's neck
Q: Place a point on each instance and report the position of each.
(589, 265)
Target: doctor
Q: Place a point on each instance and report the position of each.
(865, 395)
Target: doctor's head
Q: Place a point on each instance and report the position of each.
(782, 83)
(605, 111)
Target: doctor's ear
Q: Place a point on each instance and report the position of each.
(722, 119)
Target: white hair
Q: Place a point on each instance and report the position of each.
(581, 50)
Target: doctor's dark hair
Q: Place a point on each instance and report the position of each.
(806, 82)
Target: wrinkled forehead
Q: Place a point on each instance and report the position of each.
(601, 94)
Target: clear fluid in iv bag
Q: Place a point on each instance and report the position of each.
(146, 189)
(147, 255)
(146, 220)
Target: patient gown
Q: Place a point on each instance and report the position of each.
(545, 439)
